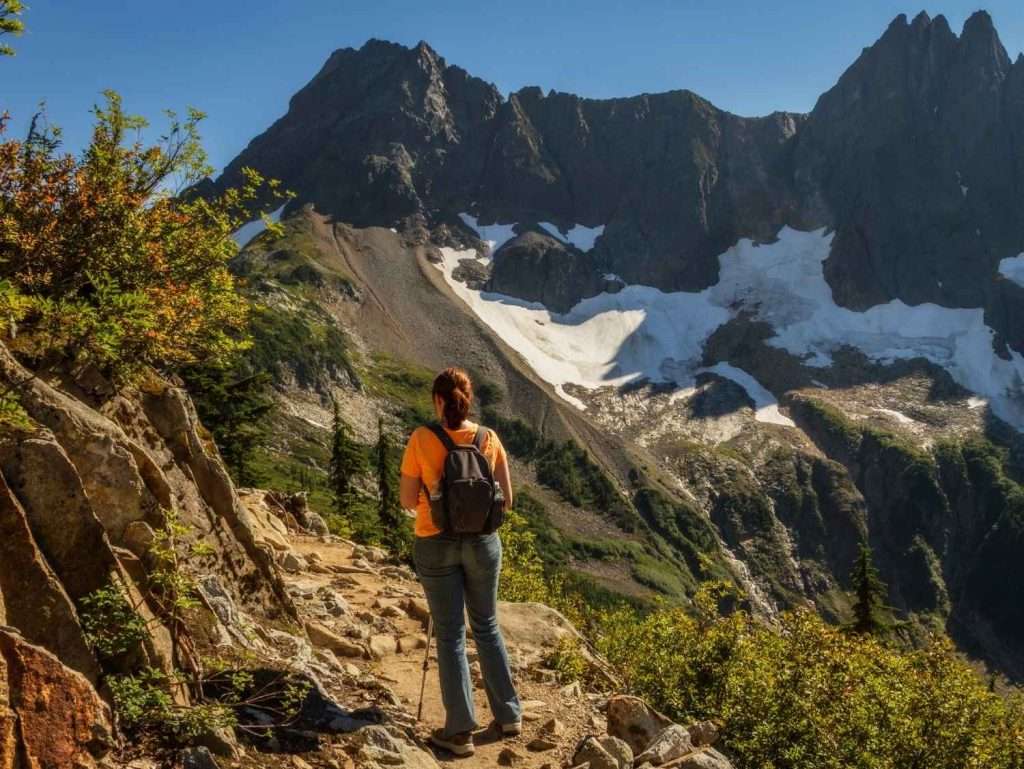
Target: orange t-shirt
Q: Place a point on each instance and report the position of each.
(424, 459)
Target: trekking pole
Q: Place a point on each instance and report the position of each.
(426, 664)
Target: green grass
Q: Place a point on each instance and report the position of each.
(285, 472)
(406, 385)
(293, 261)
(307, 342)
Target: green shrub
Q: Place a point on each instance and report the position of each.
(144, 705)
(806, 695)
(111, 624)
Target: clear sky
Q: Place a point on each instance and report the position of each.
(240, 60)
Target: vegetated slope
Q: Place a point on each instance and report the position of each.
(401, 323)
(680, 343)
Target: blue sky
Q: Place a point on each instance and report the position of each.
(240, 61)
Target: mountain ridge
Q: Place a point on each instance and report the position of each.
(921, 131)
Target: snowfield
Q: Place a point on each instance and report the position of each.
(494, 235)
(641, 332)
(1013, 268)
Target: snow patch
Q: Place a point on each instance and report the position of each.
(578, 235)
(493, 235)
(1012, 267)
(250, 230)
(608, 339)
(785, 286)
(611, 277)
(766, 408)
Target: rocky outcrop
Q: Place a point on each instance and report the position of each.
(50, 716)
(539, 268)
(87, 489)
(32, 597)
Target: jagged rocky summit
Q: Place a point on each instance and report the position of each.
(914, 159)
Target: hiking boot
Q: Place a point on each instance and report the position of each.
(509, 730)
(459, 744)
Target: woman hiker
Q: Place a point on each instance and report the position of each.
(459, 570)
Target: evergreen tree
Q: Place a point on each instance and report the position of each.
(234, 405)
(347, 463)
(395, 532)
(869, 607)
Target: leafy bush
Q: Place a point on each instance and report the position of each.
(806, 695)
(144, 705)
(109, 268)
(111, 624)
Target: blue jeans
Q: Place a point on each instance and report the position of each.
(459, 572)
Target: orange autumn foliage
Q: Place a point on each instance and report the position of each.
(101, 263)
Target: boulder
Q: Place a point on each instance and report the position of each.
(709, 758)
(532, 630)
(316, 524)
(198, 757)
(50, 715)
(603, 753)
(510, 757)
(32, 599)
(325, 638)
(267, 527)
(703, 733)
(417, 609)
(633, 720)
(380, 745)
(382, 645)
(541, 743)
(671, 743)
(292, 562)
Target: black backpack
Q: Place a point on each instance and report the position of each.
(467, 501)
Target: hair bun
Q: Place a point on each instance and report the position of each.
(455, 388)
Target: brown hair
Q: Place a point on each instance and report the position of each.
(454, 387)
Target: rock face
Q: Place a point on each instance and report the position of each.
(50, 716)
(385, 133)
(85, 487)
(914, 158)
(540, 268)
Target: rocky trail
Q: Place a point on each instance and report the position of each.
(366, 620)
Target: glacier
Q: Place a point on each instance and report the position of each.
(641, 332)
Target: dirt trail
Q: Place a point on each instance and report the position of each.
(378, 596)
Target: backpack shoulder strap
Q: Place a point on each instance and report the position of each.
(445, 438)
(478, 439)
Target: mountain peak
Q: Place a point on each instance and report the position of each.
(979, 23)
(921, 20)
